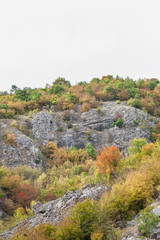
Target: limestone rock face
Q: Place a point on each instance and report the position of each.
(93, 126)
(43, 125)
(24, 151)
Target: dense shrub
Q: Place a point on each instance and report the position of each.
(127, 198)
(87, 215)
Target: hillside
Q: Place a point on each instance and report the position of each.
(90, 147)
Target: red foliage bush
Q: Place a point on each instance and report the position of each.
(20, 192)
(108, 160)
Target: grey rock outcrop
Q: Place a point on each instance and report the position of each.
(93, 126)
(24, 151)
(155, 233)
(55, 211)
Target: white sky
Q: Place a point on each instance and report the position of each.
(41, 40)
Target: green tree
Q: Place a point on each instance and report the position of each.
(132, 92)
(152, 85)
(56, 89)
(90, 150)
(35, 96)
(14, 88)
(129, 83)
(62, 81)
(136, 145)
(22, 94)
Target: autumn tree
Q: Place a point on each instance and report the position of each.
(108, 160)
(51, 147)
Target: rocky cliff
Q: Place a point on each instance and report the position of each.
(72, 128)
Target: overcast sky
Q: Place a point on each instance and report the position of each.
(41, 40)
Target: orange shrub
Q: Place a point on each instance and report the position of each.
(147, 149)
(108, 160)
(60, 106)
(31, 105)
(60, 156)
(18, 107)
(11, 138)
(85, 97)
(85, 107)
(51, 147)
(68, 105)
(71, 106)
(123, 95)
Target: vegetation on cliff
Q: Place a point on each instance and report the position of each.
(143, 94)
